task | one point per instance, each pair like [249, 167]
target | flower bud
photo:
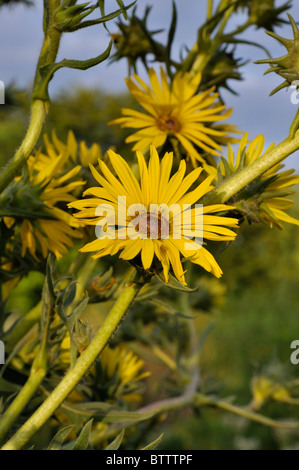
[263, 13]
[67, 19]
[286, 66]
[132, 41]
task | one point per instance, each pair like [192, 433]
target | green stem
[21, 400]
[38, 115]
[242, 178]
[84, 277]
[73, 377]
[210, 9]
[39, 107]
[203, 400]
[204, 57]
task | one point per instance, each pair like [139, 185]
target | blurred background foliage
[253, 309]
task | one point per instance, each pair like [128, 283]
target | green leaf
[104, 19]
[69, 294]
[115, 444]
[172, 29]
[48, 297]
[82, 441]
[173, 283]
[124, 416]
[229, 40]
[6, 386]
[47, 71]
[76, 313]
[86, 64]
[154, 444]
[121, 4]
[59, 438]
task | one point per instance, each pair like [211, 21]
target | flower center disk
[153, 226]
[168, 123]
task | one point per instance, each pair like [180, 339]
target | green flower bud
[263, 13]
[68, 18]
[222, 67]
[286, 66]
[134, 41]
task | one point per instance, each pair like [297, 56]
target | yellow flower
[80, 154]
[157, 193]
[272, 202]
[177, 111]
[47, 227]
[124, 367]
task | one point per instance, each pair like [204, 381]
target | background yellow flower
[175, 110]
[276, 184]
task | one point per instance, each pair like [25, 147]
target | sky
[254, 111]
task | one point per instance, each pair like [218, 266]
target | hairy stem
[38, 115]
[40, 105]
[253, 171]
[21, 400]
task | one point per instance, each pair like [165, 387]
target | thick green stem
[38, 115]
[73, 377]
[39, 107]
[253, 171]
[21, 400]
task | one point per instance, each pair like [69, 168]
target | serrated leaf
[115, 444]
[83, 439]
[59, 438]
[154, 444]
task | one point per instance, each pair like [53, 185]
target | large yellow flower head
[44, 226]
[175, 110]
[166, 220]
[275, 184]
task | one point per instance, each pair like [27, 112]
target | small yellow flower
[157, 187]
[80, 154]
[272, 202]
[124, 367]
[47, 227]
[175, 110]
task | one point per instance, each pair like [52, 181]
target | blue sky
[255, 112]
